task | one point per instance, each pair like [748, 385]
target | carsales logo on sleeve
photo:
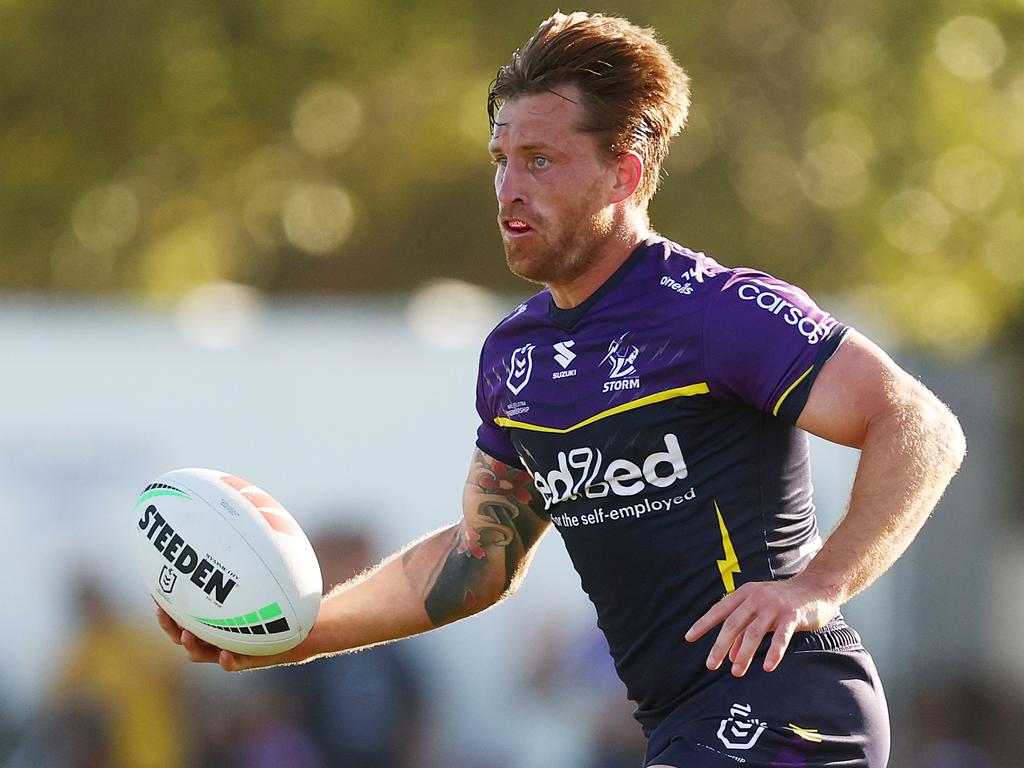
[768, 298]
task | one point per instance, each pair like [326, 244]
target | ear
[629, 171]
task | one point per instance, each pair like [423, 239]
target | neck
[614, 251]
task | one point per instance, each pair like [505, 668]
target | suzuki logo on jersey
[767, 298]
[581, 471]
[519, 369]
[565, 356]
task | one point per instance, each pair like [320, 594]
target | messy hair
[635, 96]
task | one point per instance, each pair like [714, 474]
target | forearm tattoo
[470, 566]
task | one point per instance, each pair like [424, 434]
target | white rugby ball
[226, 561]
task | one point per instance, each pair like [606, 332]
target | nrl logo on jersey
[622, 358]
[520, 368]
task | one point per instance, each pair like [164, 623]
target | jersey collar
[568, 318]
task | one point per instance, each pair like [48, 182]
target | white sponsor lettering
[516, 408]
[684, 288]
[770, 301]
[617, 384]
[581, 472]
[631, 511]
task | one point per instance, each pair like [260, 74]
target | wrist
[319, 641]
[824, 584]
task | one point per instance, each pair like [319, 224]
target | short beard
[571, 256]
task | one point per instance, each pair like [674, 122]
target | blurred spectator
[616, 739]
[118, 702]
[970, 722]
[6, 731]
[69, 734]
[273, 736]
[364, 709]
[573, 678]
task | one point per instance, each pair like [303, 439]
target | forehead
[549, 118]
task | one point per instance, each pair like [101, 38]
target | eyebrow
[533, 147]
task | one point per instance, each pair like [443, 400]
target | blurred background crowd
[260, 236]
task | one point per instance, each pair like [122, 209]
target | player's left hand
[203, 652]
[754, 610]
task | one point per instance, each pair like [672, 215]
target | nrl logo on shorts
[519, 369]
[740, 730]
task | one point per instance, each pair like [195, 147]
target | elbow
[956, 441]
[946, 435]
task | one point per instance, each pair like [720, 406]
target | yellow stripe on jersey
[775, 410]
[657, 397]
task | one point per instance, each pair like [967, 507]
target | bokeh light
[318, 218]
[915, 221]
[970, 47]
[452, 314]
[969, 178]
[105, 218]
[218, 315]
[833, 176]
[844, 128]
[326, 119]
[194, 250]
[145, 153]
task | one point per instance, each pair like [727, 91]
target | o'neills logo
[582, 471]
[201, 572]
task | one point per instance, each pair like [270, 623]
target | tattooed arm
[445, 576]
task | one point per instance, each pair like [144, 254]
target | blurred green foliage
[870, 149]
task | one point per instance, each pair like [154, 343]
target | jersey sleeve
[764, 343]
[490, 438]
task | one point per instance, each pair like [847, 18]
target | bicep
[858, 385]
[501, 507]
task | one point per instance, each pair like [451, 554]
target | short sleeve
[765, 341]
[490, 438]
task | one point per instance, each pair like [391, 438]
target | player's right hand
[203, 652]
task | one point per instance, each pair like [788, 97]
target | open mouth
[516, 226]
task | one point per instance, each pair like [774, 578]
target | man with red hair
[652, 405]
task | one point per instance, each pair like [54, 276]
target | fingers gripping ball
[226, 561]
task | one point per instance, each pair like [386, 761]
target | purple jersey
[656, 420]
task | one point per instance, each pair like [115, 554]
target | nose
[508, 184]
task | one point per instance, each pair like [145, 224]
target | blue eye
[541, 162]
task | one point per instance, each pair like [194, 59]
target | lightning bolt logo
[729, 566]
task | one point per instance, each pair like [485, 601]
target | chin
[541, 261]
[527, 268]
